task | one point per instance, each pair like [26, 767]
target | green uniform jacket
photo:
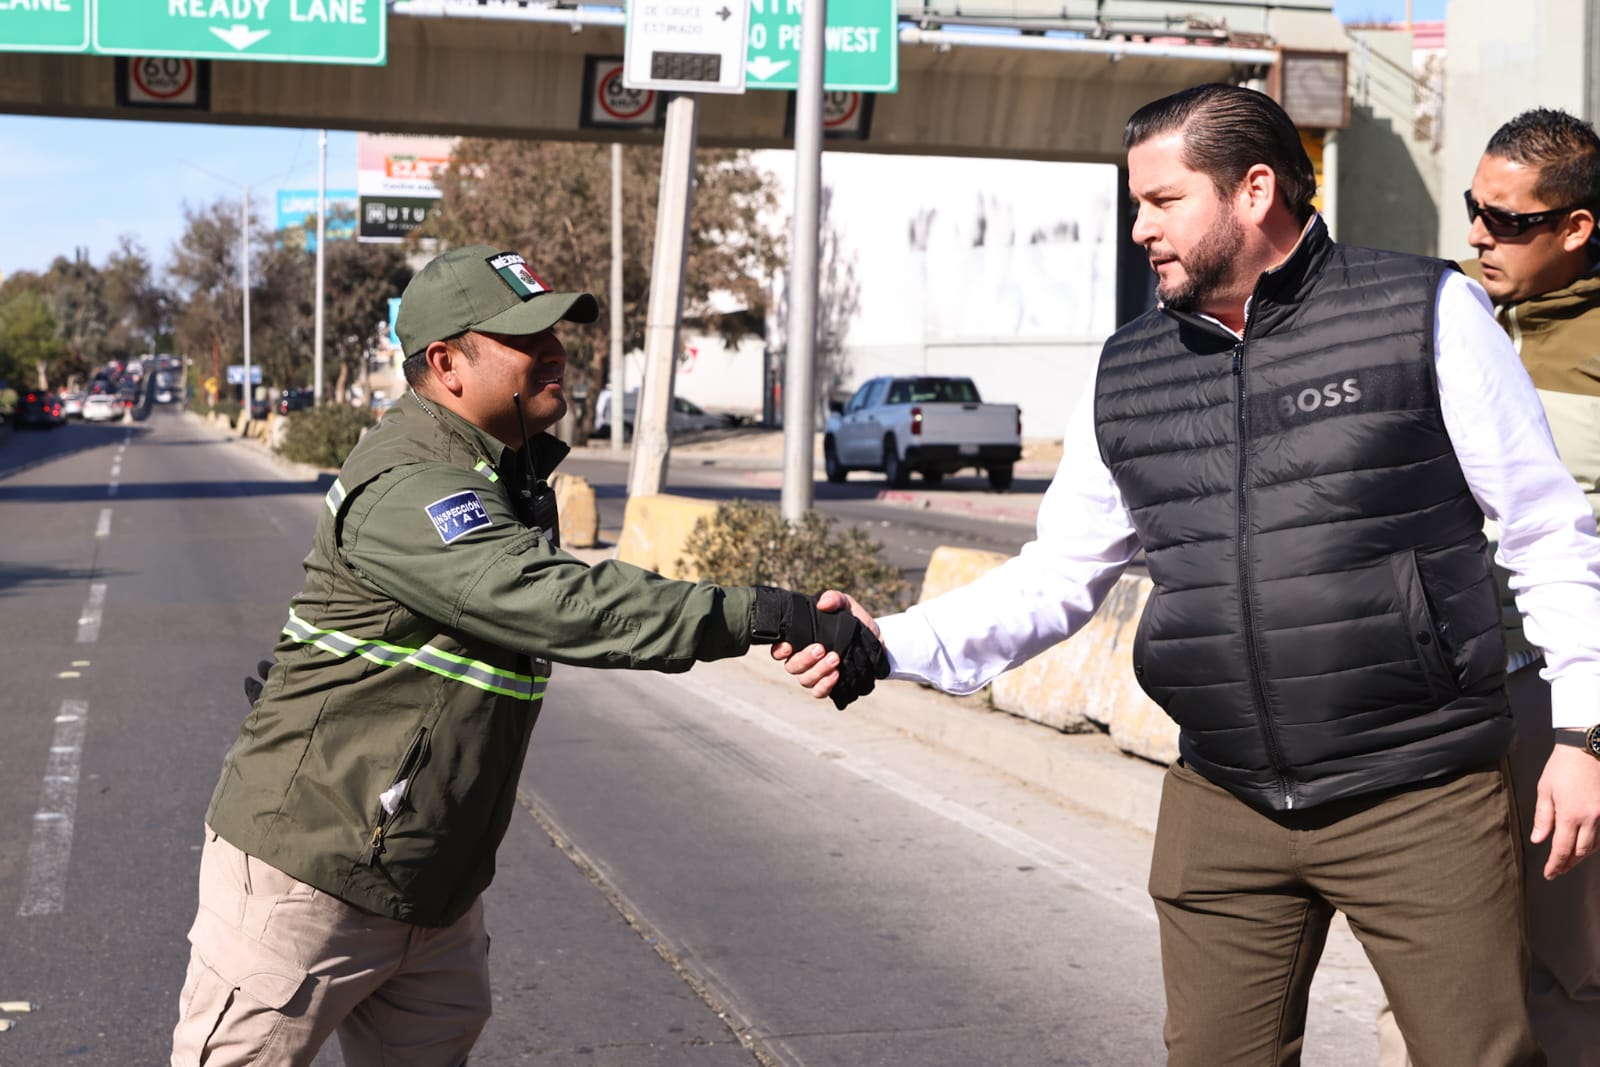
[1557, 334]
[380, 762]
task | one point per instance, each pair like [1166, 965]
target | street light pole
[800, 375]
[618, 396]
[322, 244]
[244, 272]
[244, 266]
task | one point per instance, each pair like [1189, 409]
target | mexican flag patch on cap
[513, 270]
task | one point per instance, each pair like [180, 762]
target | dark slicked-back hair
[1564, 149]
[1227, 130]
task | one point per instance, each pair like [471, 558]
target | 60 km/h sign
[862, 46]
[303, 31]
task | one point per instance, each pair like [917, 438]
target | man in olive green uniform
[358, 813]
[1531, 210]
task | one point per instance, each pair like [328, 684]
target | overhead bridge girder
[504, 78]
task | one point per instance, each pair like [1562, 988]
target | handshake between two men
[828, 642]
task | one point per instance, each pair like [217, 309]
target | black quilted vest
[1324, 622]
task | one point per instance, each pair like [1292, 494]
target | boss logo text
[1314, 398]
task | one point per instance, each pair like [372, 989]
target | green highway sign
[862, 46]
[294, 31]
[44, 25]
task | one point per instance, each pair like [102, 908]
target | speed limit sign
[163, 81]
[610, 104]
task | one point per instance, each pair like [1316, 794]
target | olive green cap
[478, 287]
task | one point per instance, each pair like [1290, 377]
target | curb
[1022, 509]
[304, 470]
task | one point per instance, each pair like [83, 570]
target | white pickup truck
[934, 426]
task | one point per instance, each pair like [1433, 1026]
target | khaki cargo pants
[1563, 915]
[1428, 877]
[276, 967]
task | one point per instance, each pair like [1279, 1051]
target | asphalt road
[705, 869]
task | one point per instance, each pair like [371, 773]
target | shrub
[324, 436]
[747, 544]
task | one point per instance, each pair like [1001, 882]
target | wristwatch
[1578, 737]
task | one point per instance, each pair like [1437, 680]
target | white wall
[1000, 270]
[1500, 60]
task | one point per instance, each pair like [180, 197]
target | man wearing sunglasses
[1531, 215]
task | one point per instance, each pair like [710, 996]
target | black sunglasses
[1501, 223]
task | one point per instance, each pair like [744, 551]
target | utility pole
[800, 378]
[618, 377]
[244, 271]
[651, 443]
[322, 244]
[244, 275]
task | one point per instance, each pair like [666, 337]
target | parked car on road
[295, 400]
[934, 426]
[687, 416]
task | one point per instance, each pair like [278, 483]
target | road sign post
[861, 38]
[687, 46]
[303, 31]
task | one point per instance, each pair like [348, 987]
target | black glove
[252, 686]
[793, 617]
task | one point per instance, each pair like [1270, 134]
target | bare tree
[552, 202]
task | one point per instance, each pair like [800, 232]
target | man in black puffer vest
[1304, 439]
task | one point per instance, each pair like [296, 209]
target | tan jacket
[1557, 334]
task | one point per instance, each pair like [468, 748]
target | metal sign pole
[244, 274]
[800, 379]
[618, 393]
[651, 442]
[322, 251]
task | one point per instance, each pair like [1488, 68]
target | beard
[1207, 267]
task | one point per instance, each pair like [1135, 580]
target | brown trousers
[1429, 879]
[276, 967]
[1563, 915]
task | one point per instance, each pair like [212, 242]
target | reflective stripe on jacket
[380, 763]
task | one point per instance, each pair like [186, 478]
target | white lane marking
[116, 470]
[44, 889]
[111, 490]
[89, 617]
[104, 529]
[1124, 895]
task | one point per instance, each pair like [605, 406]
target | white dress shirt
[960, 641]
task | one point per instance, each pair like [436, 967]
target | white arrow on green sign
[862, 46]
[296, 31]
[44, 26]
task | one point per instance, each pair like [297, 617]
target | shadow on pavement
[13, 576]
[62, 494]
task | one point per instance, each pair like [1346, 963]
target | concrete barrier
[1081, 685]
[654, 529]
[580, 519]
[1085, 683]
